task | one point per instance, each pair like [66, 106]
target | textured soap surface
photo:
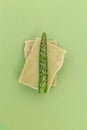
[28, 46]
[30, 73]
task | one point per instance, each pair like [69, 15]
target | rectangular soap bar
[28, 46]
[30, 72]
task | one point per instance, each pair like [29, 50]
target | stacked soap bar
[30, 73]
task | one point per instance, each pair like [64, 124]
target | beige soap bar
[28, 46]
[30, 72]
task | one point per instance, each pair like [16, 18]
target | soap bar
[30, 72]
[28, 46]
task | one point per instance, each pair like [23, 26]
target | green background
[64, 107]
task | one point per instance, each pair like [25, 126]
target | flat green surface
[65, 107]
